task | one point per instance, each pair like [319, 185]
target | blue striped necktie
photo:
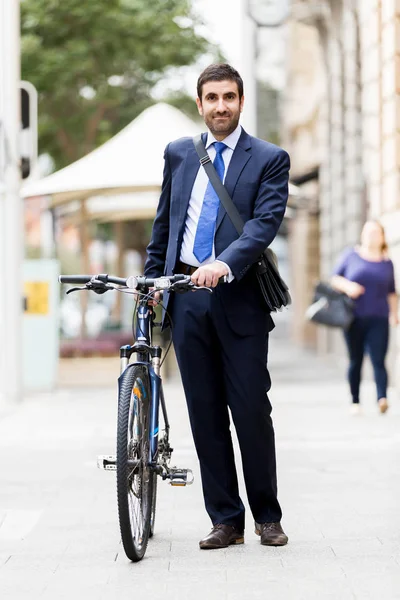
[204, 239]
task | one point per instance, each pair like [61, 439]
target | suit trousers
[221, 369]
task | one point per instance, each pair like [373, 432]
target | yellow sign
[36, 297]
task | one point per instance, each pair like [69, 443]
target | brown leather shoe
[222, 536]
[271, 534]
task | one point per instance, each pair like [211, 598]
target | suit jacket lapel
[239, 159]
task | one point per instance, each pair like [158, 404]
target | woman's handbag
[330, 307]
[274, 290]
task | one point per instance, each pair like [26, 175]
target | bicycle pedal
[106, 462]
[180, 477]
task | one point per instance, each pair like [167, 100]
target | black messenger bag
[274, 290]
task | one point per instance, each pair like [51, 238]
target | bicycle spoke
[137, 523]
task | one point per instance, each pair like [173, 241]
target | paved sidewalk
[339, 487]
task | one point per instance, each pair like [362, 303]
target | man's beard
[224, 127]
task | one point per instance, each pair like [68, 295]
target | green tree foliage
[94, 63]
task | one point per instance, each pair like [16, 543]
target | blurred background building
[341, 125]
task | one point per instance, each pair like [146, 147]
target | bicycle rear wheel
[134, 476]
[153, 505]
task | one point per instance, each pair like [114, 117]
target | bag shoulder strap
[217, 184]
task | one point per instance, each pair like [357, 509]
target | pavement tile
[372, 566]
[4, 557]
[258, 557]
[372, 587]
[73, 575]
[391, 545]
[38, 561]
[183, 549]
[123, 567]
[23, 581]
[311, 569]
[125, 575]
[155, 590]
[76, 590]
[321, 551]
[357, 547]
[88, 559]
[17, 594]
[213, 591]
[256, 591]
[316, 589]
[267, 573]
[189, 577]
[210, 562]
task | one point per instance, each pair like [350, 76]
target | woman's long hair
[384, 247]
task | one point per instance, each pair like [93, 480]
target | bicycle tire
[153, 505]
[134, 484]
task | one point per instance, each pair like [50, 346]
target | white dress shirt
[197, 197]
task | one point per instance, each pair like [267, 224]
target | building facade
[342, 128]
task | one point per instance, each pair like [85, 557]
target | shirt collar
[231, 140]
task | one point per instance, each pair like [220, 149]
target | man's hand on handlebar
[209, 275]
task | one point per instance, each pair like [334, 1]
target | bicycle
[141, 454]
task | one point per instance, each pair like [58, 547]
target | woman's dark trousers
[368, 335]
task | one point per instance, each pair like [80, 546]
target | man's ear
[241, 103]
[199, 106]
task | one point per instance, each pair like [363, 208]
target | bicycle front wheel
[134, 476]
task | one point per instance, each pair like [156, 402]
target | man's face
[220, 107]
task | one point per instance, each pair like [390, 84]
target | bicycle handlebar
[158, 283]
[82, 279]
[134, 283]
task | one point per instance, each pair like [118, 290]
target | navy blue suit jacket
[257, 181]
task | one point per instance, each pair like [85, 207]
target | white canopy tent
[129, 163]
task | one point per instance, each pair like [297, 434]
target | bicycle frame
[149, 356]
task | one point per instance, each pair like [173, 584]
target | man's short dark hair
[219, 72]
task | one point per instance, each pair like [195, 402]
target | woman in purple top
[366, 274]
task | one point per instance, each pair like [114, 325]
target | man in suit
[221, 339]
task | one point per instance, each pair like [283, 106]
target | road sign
[36, 295]
[29, 129]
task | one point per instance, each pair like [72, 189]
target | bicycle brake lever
[202, 287]
[76, 289]
[96, 286]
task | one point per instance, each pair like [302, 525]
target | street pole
[258, 14]
[248, 72]
[11, 214]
